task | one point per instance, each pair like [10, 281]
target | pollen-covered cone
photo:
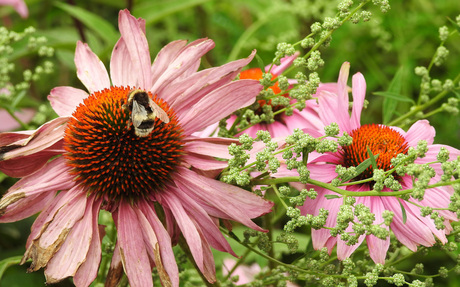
[91, 158]
[387, 141]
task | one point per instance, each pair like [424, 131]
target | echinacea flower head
[408, 225]
[18, 5]
[126, 146]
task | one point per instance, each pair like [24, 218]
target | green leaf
[5, 263]
[361, 168]
[372, 158]
[260, 63]
[93, 21]
[393, 96]
[154, 11]
[403, 210]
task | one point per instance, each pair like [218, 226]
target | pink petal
[285, 63]
[378, 248]
[223, 200]
[74, 251]
[115, 273]
[30, 194]
[166, 56]
[187, 91]
[420, 130]
[209, 148]
[277, 129]
[187, 226]
[18, 5]
[208, 228]
[411, 233]
[343, 118]
[88, 270]
[132, 248]
[164, 241]
[121, 66]
[9, 123]
[307, 118]
[218, 104]
[186, 59]
[65, 100]
[152, 247]
[61, 218]
[44, 137]
[359, 93]
[137, 48]
[90, 70]
[22, 166]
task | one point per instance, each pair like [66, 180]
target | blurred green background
[406, 36]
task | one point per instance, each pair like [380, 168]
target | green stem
[340, 191]
[426, 105]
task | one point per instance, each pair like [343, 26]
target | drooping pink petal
[88, 270]
[223, 200]
[115, 273]
[137, 48]
[377, 247]
[164, 241]
[219, 104]
[25, 165]
[412, 232]
[65, 100]
[341, 108]
[90, 70]
[359, 93]
[208, 228]
[152, 246]
[187, 226]
[132, 248]
[62, 216]
[31, 194]
[420, 130]
[74, 251]
[45, 136]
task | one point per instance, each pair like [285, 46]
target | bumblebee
[144, 111]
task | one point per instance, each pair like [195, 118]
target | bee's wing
[138, 114]
[158, 112]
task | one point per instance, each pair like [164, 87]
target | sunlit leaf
[5, 263]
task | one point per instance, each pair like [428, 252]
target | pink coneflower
[283, 125]
[126, 147]
[387, 142]
[18, 5]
